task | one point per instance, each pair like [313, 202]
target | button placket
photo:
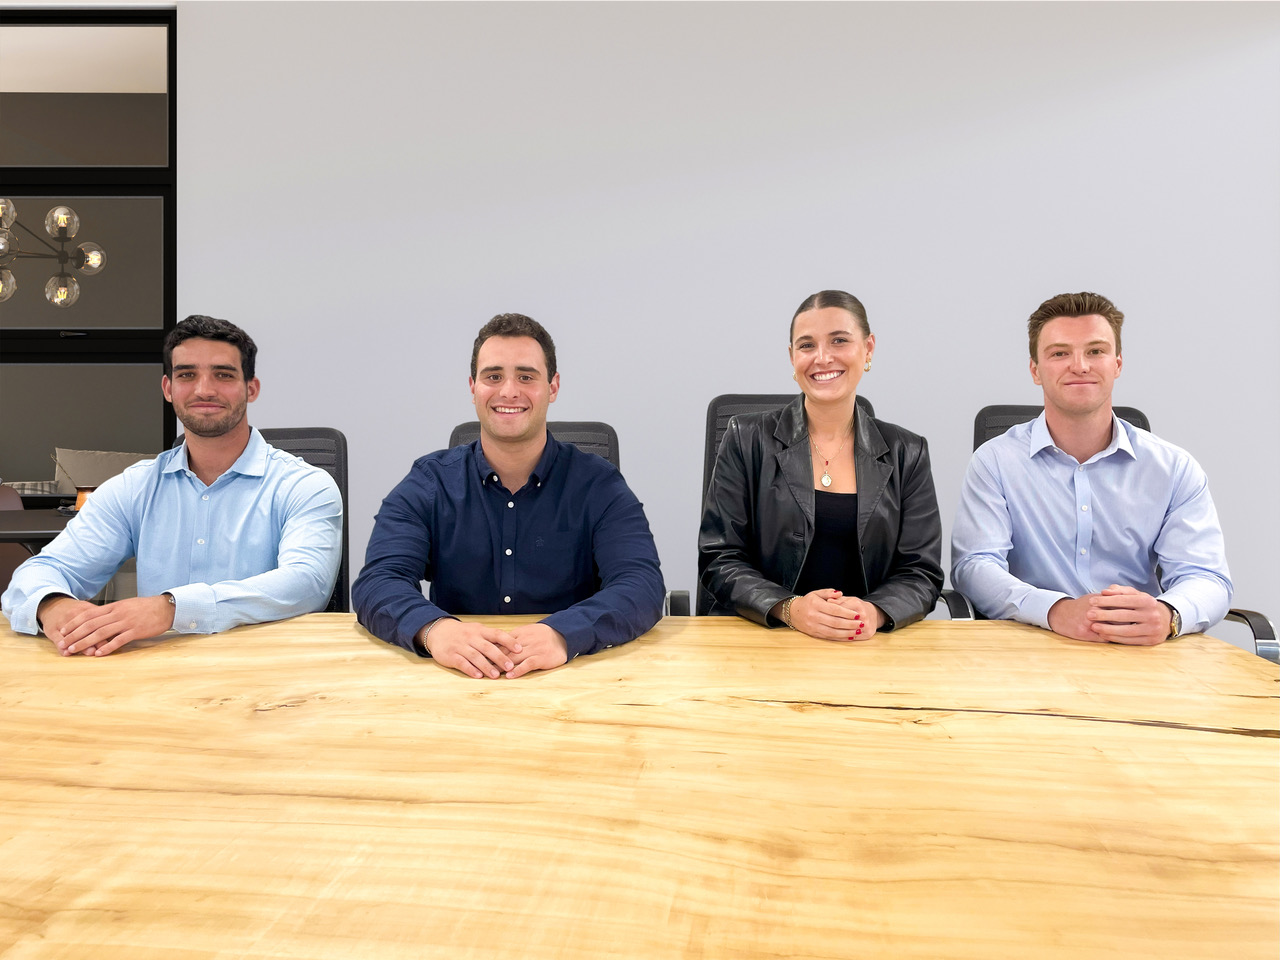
[1084, 526]
[506, 562]
[201, 536]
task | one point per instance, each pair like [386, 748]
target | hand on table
[829, 615]
[1116, 615]
[77, 626]
[475, 649]
[541, 649]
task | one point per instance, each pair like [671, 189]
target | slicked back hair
[516, 325]
[211, 328]
[1072, 305]
[832, 298]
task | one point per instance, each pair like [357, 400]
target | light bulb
[62, 223]
[62, 290]
[90, 258]
[8, 212]
[7, 285]
[8, 246]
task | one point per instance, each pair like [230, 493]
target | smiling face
[1077, 365]
[511, 390]
[207, 389]
[828, 352]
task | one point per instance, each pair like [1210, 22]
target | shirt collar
[1041, 439]
[540, 472]
[252, 462]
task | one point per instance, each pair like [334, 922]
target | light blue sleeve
[1192, 555]
[307, 561]
[981, 539]
[82, 558]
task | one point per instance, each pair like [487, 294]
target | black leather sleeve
[728, 553]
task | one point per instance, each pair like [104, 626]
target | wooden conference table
[714, 789]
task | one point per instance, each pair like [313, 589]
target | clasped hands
[1116, 615]
[481, 651]
[829, 615]
[78, 626]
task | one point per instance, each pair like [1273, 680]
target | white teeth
[830, 375]
[507, 409]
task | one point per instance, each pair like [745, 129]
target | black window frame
[69, 344]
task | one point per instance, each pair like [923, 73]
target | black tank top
[834, 560]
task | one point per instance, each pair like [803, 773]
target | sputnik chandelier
[61, 224]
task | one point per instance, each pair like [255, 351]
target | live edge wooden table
[714, 789]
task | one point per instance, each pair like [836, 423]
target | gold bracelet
[786, 612]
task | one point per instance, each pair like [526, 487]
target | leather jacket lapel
[873, 474]
[794, 462]
[793, 459]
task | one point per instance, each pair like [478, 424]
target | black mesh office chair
[994, 420]
[728, 405]
[589, 435]
[326, 448]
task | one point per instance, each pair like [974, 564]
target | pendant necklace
[825, 479]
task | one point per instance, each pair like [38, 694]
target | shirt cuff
[1034, 607]
[578, 639]
[26, 618]
[193, 608]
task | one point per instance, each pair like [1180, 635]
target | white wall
[363, 185]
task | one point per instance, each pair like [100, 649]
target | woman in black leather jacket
[818, 516]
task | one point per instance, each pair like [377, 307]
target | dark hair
[515, 325]
[832, 298]
[197, 327]
[1072, 305]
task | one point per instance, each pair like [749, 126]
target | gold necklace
[825, 479]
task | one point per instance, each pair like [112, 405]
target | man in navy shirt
[512, 523]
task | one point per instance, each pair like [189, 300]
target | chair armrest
[1264, 632]
[958, 605]
[676, 604]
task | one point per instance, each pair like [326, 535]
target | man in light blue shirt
[1079, 522]
[226, 528]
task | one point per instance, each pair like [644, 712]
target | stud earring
[795, 378]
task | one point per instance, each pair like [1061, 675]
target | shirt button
[511, 503]
[508, 551]
[199, 541]
[1084, 506]
[539, 483]
[506, 599]
[1083, 551]
[494, 478]
[193, 625]
[205, 497]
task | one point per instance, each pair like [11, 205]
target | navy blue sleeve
[388, 593]
[629, 600]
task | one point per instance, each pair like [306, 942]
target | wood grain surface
[713, 789]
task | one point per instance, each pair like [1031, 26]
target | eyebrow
[216, 366]
[496, 368]
[833, 333]
[1105, 343]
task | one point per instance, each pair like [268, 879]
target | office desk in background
[34, 529]
[714, 789]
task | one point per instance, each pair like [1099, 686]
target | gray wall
[362, 185]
